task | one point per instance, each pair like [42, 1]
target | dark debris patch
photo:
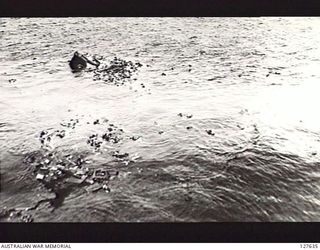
[96, 122]
[118, 155]
[118, 72]
[12, 80]
[122, 157]
[93, 141]
[240, 127]
[71, 123]
[60, 133]
[135, 138]
[185, 115]
[45, 136]
[210, 132]
[62, 173]
[113, 134]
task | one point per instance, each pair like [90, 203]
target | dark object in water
[77, 62]
[210, 132]
[134, 138]
[185, 115]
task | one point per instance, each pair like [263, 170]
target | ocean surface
[220, 123]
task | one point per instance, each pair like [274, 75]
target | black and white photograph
[160, 119]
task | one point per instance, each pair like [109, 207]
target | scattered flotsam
[60, 173]
[210, 132]
[185, 115]
[117, 72]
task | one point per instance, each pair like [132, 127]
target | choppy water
[254, 82]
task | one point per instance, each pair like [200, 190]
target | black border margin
[159, 8]
[160, 232]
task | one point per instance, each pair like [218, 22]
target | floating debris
[239, 126]
[185, 115]
[210, 132]
[134, 138]
[61, 173]
[106, 188]
[93, 141]
[78, 62]
[117, 72]
[118, 155]
[56, 171]
[60, 133]
[100, 175]
[16, 215]
[12, 80]
[40, 176]
[111, 137]
[71, 124]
